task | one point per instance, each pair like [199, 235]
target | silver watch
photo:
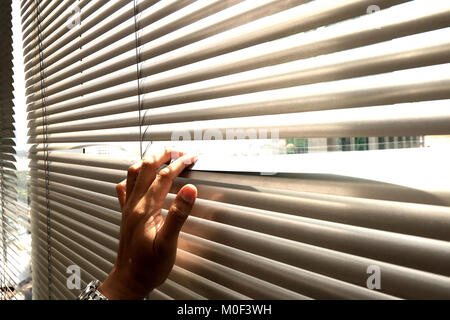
[91, 292]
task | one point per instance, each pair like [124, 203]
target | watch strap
[91, 292]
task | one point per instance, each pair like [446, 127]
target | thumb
[178, 213]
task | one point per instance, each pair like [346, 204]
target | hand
[148, 242]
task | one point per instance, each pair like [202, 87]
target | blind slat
[385, 215]
[40, 15]
[92, 27]
[408, 119]
[297, 19]
[30, 35]
[178, 19]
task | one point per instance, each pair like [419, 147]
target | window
[15, 280]
[280, 83]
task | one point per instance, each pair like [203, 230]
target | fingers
[133, 172]
[178, 213]
[121, 192]
[147, 173]
[162, 183]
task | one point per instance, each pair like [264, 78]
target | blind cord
[46, 155]
[138, 75]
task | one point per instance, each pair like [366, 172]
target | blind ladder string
[46, 152]
[138, 74]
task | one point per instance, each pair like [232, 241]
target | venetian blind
[134, 72]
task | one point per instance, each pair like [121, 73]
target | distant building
[312, 145]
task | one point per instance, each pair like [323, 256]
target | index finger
[163, 181]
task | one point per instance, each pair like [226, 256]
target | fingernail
[175, 155]
[188, 193]
[190, 159]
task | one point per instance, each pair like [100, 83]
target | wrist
[117, 286]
